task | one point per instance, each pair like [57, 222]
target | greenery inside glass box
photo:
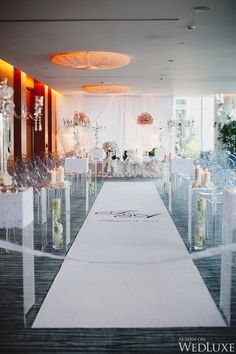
[227, 135]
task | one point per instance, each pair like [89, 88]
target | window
[201, 136]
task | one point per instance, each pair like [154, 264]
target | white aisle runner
[120, 281]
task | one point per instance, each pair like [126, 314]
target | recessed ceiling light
[201, 9]
[191, 27]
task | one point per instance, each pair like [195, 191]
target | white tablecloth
[16, 209]
[73, 165]
[133, 169]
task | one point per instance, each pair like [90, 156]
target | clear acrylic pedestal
[199, 220]
[228, 238]
[59, 211]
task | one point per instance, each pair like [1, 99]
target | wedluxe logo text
[201, 345]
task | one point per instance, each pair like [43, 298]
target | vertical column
[208, 118]
[218, 119]
[51, 120]
[29, 93]
[17, 121]
[46, 117]
[50, 135]
[23, 121]
[54, 121]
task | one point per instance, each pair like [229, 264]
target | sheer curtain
[117, 114]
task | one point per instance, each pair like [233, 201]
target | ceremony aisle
[127, 268]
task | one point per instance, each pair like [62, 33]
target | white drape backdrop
[118, 115]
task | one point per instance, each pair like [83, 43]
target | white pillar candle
[197, 168]
[53, 176]
[60, 175]
[199, 176]
[203, 178]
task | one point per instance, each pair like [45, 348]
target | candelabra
[220, 105]
[96, 129]
[159, 129]
[37, 116]
[6, 113]
[224, 109]
[78, 120]
[180, 124]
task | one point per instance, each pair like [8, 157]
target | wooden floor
[16, 336]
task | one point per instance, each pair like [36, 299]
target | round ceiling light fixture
[104, 89]
[90, 60]
[201, 9]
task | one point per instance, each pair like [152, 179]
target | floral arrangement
[81, 119]
[109, 146]
[145, 119]
[57, 226]
[131, 154]
[111, 149]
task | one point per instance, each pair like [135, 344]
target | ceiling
[167, 57]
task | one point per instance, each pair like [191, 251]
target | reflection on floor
[17, 336]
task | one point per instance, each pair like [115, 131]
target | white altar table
[77, 166]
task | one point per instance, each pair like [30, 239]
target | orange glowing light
[93, 60]
[104, 89]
